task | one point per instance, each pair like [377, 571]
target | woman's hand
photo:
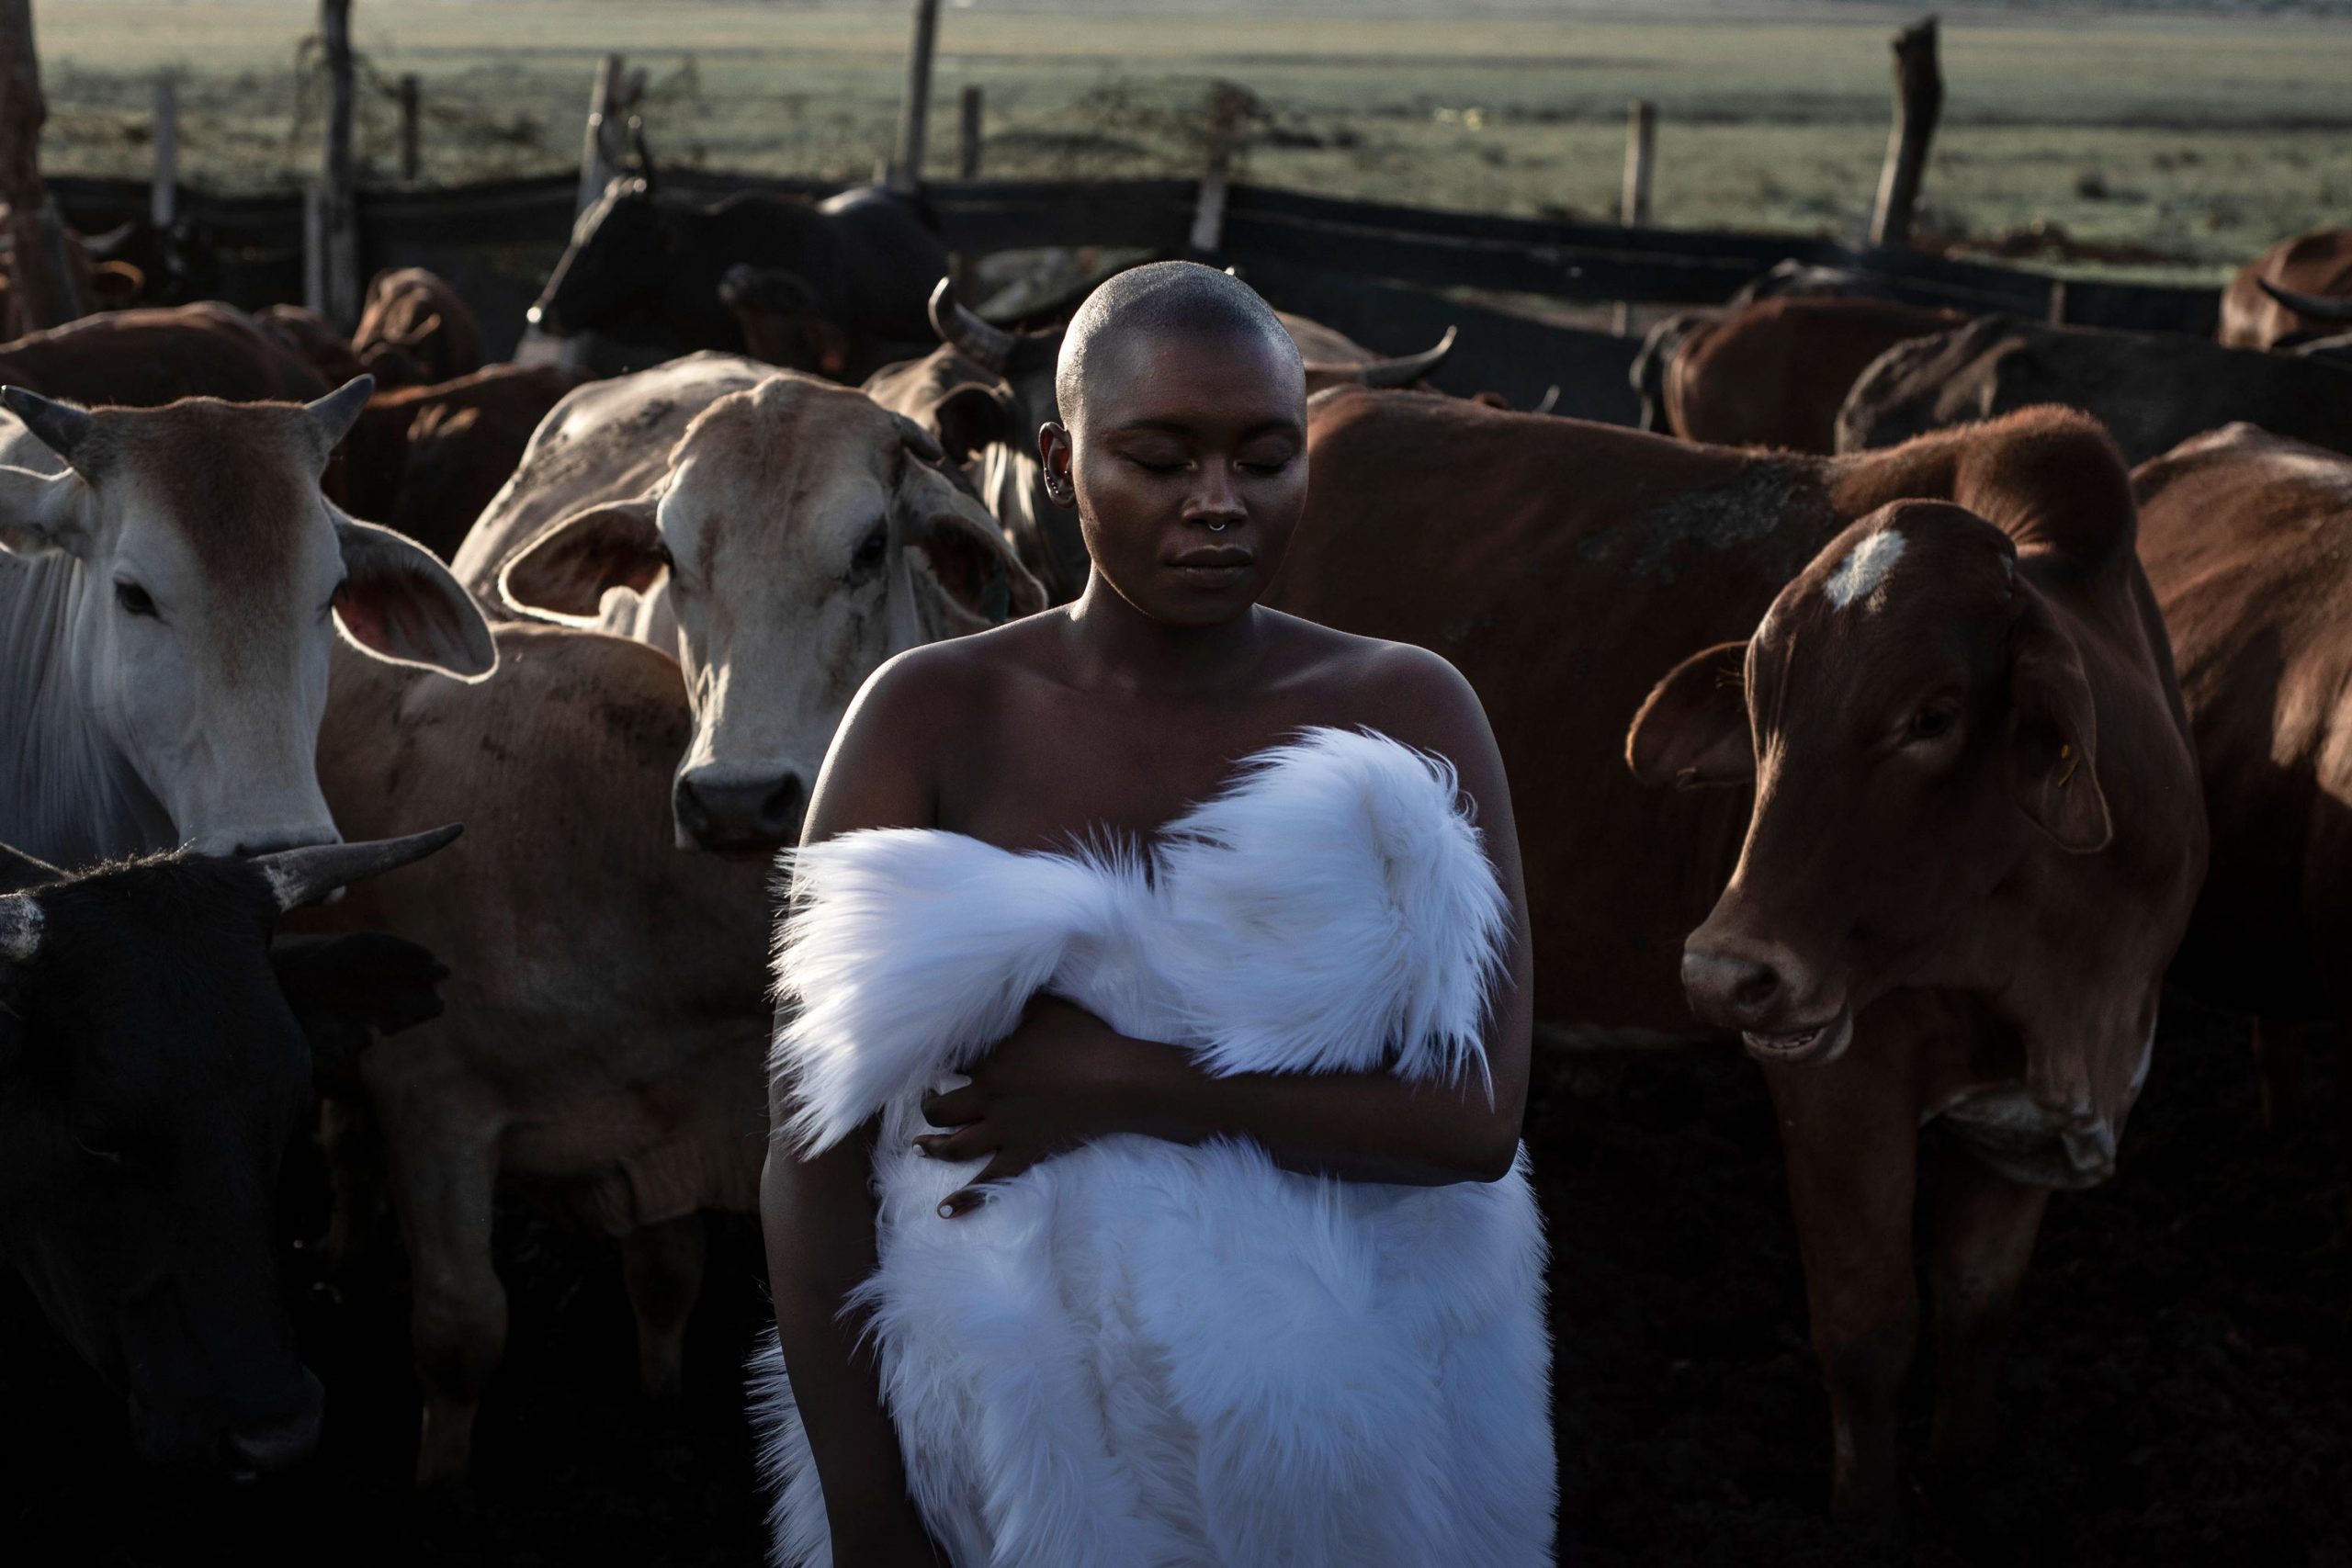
[1061, 1079]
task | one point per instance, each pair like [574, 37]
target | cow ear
[1693, 728]
[567, 568]
[40, 514]
[975, 416]
[2053, 736]
[344, 990]
[400, 603]
[969, 576]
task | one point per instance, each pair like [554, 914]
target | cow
[647, 270]
[101, 284]
[144, 357]
[414, 330]
[780, 534]
[310, 336]
[1564, 567]
[2243, 534]
[2151, 390]
[607, 1019]
[156, 1057]
[425, 460]
[171, 580]
[1770, 374]
[2298, 290]
[985, 392]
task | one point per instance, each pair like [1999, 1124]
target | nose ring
[1216, 527]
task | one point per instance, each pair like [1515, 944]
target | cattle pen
[2179, 1382]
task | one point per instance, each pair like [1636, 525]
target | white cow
[167, 581]
[781, 534]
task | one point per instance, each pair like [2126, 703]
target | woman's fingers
[955, 1108]
[965, 1143]
[1003, 1168]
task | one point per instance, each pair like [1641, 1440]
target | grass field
[2191, 139]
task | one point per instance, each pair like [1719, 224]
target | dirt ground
[2181, 1391]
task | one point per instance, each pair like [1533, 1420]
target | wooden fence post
[1208, 208]
[1641, 147]
[1918, 99]
[332, 278]
[1633, 201]
[914, 114]
[412, 157]
[967, 136]
[597, 168]
[164, 194]
[46, 295]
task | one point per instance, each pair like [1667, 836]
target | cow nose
[264, 1447]
[739, 812]
[1744, 990]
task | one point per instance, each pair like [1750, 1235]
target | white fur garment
[1145, 1355]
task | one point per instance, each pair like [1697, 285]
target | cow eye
[1933, 722]
[134, 599]
[871, 548]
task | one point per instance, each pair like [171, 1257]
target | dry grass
[2197, 140]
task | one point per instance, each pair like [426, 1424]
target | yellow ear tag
[2066, 751]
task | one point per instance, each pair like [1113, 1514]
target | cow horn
[1403, 372]
[1550, 401]
[306, 875]
[335, 413]
[644, 154]
[61, 427]
[920, 442]
[20, 923]
[2318, 306]
[984, 343]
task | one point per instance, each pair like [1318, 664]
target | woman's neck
[1116, 646]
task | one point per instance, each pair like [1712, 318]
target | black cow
[2153, 390]
[644, 270]
[156, 1056]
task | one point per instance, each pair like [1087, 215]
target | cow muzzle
[1785, 1011]
[738, 811]
[240, 1452]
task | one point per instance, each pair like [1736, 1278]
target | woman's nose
[1217, 502]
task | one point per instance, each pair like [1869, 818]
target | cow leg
[355, 1151]
[2278, 1059]
[444, 1173]
[1851, 1140]
[663, 1266]
[1984, 1226]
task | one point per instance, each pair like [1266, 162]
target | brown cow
[147, 357]
[309, 335]
[1562, 566]
[415, 330]
[2245, 537]
[2317, 266]
[607, 1014]
[1770, 374]
[426, 460]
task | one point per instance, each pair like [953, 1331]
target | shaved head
[1164, 299]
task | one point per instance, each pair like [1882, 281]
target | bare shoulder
[1405, 691]
[919, 709]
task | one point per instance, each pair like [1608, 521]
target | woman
[1184, 451]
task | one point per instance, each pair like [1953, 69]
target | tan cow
[782, 535]
[2299, 288]
[1564, 567]
[606, 1005]
[171, 581]
[2248, 540]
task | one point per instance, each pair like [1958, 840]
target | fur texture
[1142, 1353]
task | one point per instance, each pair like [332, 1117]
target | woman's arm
[1064, 1077]
[817, 1215]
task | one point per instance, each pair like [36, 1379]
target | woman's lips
[1213, 566]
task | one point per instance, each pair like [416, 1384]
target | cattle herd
[1924, 695]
